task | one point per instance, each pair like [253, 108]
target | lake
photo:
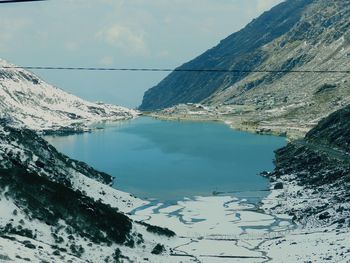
[169, 160]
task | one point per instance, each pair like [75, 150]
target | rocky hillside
[295, 35]
[241, 50]
[333, 131]
[54, 209]
[314, 174]
[30, 102]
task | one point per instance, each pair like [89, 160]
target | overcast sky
[117, 33]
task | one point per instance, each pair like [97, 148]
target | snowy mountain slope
[54, 209]
[26, 99]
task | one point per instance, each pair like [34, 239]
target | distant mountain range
[30, 102]
[294, 35]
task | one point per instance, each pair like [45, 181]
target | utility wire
[177, 70]
[18, 1]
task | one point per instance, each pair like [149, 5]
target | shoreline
[236, 124]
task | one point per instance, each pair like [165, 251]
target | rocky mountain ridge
[240, 51]
[315, 36]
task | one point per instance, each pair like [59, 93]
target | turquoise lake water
[170, 160]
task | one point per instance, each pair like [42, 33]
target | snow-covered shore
[228, 229]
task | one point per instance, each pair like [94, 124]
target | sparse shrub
[158, 249]
[130, 242]
[158, 230]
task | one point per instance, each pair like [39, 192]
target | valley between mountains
[57, 209]
[49, 203]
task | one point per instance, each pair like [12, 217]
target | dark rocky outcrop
[320, 165]
[333, 131]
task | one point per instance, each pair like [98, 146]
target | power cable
[177, 70]
[18, 1]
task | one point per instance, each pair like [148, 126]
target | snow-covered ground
[227, 229]
[50, 244]
[210, 229]
[217, 216]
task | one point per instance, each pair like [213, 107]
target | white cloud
[163, 54]
[9, 30]
[124, 38]
[106, 61]
[71, 46]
